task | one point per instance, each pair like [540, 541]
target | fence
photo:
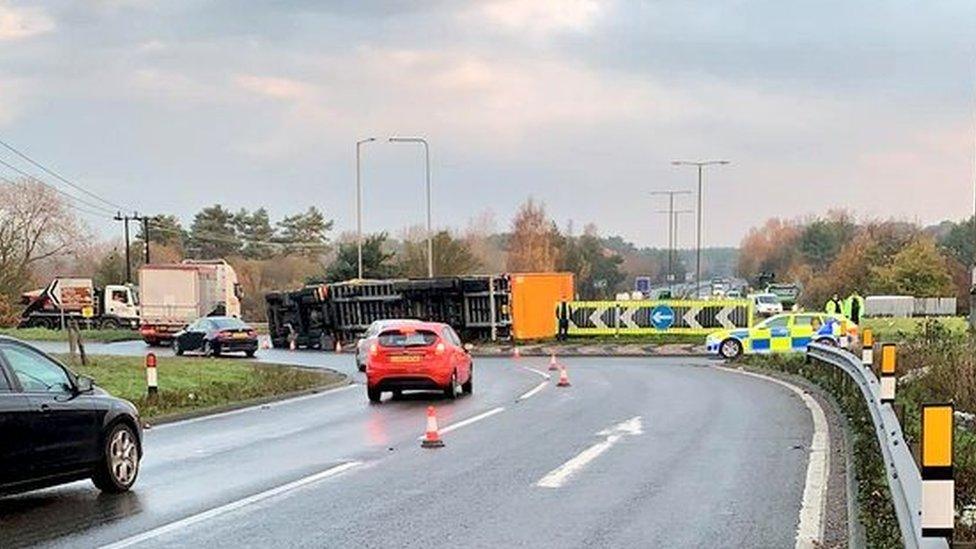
[904, 479]
[695, 317]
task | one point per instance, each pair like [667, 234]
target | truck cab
[120, 302]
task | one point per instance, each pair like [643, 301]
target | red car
[423, 356]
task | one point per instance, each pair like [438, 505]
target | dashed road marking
[544, 375]
[469, 421]
[560, 475]
[232, 506]
[534, 390]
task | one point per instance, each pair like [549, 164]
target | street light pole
[700, 164]
[671, 233]
[359, 208]
[430, 241]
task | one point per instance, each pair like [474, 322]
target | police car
[785, 333]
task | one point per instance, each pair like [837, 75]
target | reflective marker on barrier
[938, 486]
[888, 381]
[867, 348]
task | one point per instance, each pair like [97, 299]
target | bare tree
[35, 224]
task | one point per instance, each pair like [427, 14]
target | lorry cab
[121, 301]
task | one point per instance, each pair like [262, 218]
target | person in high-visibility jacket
[833, 305]
[853, 307]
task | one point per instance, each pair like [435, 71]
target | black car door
[15, 447]
[63, 425]
[195, 334]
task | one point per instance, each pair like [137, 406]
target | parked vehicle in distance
[114, 306]
[784, 333]
[174, 295]
[426, 356]
[59, 427]
[766, 304]
[362, 346]
[215, 336]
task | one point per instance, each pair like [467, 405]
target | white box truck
[174, 295]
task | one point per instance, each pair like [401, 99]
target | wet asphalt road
[687, 455]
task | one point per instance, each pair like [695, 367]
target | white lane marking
[810, 530]
[534, 390]
[251, 408]
[539, 372]
[560, 475]
[232, 506]
[469, 421]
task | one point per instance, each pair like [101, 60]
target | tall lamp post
[430, 242]
[359, 207]
[671, 232]
[700, 164]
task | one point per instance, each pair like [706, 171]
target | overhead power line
[59, 177]
[106, 212]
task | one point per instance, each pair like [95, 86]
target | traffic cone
[563, 378]
[552, 362]
[338, 348]
[266, 343]
[291, 344]
[515, 352]
[433, 436]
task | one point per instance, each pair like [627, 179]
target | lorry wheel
[110, 324]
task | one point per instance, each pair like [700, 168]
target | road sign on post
[662, 317]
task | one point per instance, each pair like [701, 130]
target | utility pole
[430, 233]
[700, 164]
[359, 208]
[671, 232]
[128, 263]
[144, 219]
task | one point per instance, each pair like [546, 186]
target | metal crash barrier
[658, 317]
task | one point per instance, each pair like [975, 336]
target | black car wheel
[177, 349]
[207, 349]
[250, 353]
[730, 349]
[374, 394]
[452, 390]
[119, 466]
[468, 387]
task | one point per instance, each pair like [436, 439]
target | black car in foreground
[57, 427]
[216, 335]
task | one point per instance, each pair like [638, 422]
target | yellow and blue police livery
[785, 333]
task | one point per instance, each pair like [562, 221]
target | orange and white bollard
[433, 437]
[563, 378]
[152, 380]
[552, 363]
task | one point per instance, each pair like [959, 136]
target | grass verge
[98, 336]
[875, 510]
[897, 329]
[191, 384]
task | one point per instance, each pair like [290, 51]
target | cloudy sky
[165, 106]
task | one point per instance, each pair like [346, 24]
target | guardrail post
[867, 348]
[938, 486]
[888, 379]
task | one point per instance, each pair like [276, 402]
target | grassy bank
[188, 384]
[895, 329]
[43, 334]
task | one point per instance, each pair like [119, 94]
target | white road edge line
[469, 421]
[232, 506]
[810, 530]
[251, 408]
[539, 372]
[534, 390]
[560, 475]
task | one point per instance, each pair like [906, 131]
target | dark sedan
[57, 427]
[216, 335]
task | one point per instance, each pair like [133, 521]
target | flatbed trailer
[317, 316]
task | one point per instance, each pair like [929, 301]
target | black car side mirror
[84, 384]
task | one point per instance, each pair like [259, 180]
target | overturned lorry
[317, 316]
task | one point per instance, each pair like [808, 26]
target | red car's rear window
[398, 338]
